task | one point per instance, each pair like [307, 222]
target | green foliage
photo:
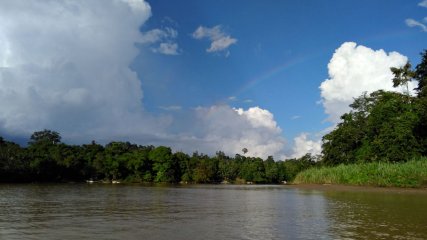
[165, 165]
[389, 132]
[138, 164]
[402, 76]
[45, 137]
[409, 174]
[13, 165]
[206, 170]
[421, 75]
[381, 127]
[271, 171]
[252, 170]
[46, 159]
[294, 166]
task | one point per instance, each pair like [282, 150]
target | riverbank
[357, 188]
[411, 174]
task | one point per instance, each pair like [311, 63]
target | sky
[206, 76]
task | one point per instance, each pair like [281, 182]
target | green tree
[45, 137]
[186, 166]
[421, 75]
[117, 155]
[252, 170]
[380, 127]
[340, 145]
[44, 153]
[227, 168]
[13, 164]
[164, 165]
[402, 76]
[206, 170]
[390, 129]
[293, 166]
[90, 152]
[139, 164]
[271, 170]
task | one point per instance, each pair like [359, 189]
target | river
[103, 211]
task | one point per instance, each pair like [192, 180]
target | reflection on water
[80, 211]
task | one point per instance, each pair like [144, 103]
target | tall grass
[408, 174]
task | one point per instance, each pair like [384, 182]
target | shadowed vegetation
[47, 159]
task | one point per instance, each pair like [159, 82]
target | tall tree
[45, 136]
[164, 165]
[421, 75]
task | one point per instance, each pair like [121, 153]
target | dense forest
[47, 159]
[381, 127]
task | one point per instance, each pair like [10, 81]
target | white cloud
[303, 145]
[167, 49]
[221, 44]
[162, 40]
[413, 23]
[220, 41]
[153, 36]
[423, 3]
[231, 130]
[254, 129]
[353, 70]
[65, 67]
[138, 6]
[171, 108]
[259, 117]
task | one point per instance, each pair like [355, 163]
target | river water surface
[102, 211]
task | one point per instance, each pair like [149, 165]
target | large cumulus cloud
[65, 65]
[353, 70]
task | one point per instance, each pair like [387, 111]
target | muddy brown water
[103, 211]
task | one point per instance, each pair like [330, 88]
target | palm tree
[402, 76]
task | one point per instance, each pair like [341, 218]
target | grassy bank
[409, 174]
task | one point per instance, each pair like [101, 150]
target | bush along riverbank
[406, 174]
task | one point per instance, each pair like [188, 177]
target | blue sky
[281, 55]
[150, 69]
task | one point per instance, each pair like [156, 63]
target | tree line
[47, 159]
[383, 126]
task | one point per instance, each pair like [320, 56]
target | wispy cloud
[162, 40]
[413, 23]
[248, 101]
[167, 49]
[295, 117]
[232, 98]
[423, 3]
[171, 108]
[220, 41]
